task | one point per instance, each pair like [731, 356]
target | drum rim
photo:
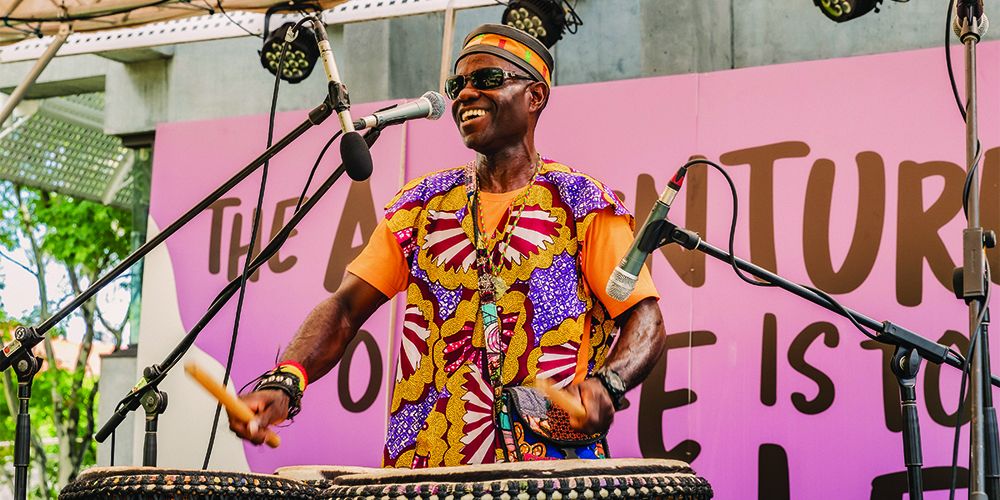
[544, 469]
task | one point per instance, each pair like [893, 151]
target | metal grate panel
[65, 157]
[217, 26]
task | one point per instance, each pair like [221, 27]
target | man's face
[490, 120]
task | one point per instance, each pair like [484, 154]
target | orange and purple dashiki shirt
[556, 324]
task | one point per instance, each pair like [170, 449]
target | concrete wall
[400, 57]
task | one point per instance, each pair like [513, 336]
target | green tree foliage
[86, 239]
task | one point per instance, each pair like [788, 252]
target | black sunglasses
[481, 79]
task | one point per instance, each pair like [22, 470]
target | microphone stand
[970, 24]
[154, 374]
[18, 352]
[911, 347]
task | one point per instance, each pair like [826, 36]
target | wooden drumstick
[562, 399]
[234, 405]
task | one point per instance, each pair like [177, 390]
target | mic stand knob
[155, 403]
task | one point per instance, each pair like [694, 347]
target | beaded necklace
[485, 242]
[491, 286]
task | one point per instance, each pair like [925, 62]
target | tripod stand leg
[26, 367]
[905, 365]
[989, 417]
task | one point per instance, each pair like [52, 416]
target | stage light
[300, 54]
[845, 10]
[545, 20]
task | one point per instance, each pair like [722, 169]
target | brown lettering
[359, 213]
[917, 237]
[689, 266]
[989, 207]
[761, 161]
[215, 233]
[868, 225]
[275, 263]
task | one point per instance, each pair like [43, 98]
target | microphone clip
[663, 232]
[337, 97]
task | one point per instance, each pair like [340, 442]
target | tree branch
[18, 263]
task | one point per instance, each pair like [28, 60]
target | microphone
[970, 19]
[353, 148]
[430, 106]
[623, 278]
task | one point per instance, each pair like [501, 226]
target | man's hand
[597, 402]
[269, 407]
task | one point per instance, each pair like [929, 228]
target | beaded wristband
[284, 381]
[295, 369]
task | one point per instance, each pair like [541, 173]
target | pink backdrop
[770, 394]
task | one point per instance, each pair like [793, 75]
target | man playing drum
[504, 264]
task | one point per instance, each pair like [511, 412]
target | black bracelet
[284, 382]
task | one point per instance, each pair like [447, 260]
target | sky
[20, 294]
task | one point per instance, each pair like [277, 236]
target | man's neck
[506, 171]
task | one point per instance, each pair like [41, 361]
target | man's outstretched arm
[317, 346]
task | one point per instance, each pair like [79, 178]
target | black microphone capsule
[356, 156]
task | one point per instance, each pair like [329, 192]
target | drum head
[321, 476]
[152, 482]
[551, 479]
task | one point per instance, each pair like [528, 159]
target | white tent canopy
[30, 18]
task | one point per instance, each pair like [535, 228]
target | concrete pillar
[118, 374]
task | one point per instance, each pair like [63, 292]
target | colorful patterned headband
[513, 45]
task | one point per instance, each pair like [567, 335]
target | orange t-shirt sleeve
[607, 239]
[381, 263]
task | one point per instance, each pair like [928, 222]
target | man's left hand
[597, 402]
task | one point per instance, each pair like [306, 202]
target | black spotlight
[300, 54]
[545, 20]
[845, 10]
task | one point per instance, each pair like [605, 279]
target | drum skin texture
[542, 480]
[128, 483]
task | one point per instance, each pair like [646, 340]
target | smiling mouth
[472, 114]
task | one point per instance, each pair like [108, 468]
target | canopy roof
[27, 18]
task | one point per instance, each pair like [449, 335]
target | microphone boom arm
[888, 332]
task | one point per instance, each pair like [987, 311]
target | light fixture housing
[545, 20]
[845, 10]
[301, 53]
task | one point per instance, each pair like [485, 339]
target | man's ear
[538, 93]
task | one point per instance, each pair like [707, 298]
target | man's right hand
[269, 407]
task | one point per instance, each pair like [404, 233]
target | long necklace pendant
[499, 286]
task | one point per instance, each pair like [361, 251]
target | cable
[222, 10]
[312, 172]
[250, 249]
[947, 57]
[732, 226]
[732, 257]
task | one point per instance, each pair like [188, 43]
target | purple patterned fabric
[553, 296]
[584, 195]
[430, 186]
[406, 422]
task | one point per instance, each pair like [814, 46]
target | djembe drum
[134, 483]
[321, 477]
[542, 480]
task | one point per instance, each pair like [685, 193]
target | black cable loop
[250, 253]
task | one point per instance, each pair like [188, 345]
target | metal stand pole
[25, 368]
[18, 94]
[969, 26]
[905, 364]
[990, 419]
[155, 403]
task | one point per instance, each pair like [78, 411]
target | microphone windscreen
[621, 284]
[356, 156]
[437, 104]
